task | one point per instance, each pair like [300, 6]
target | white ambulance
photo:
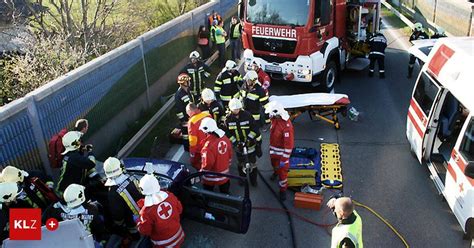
[440, 122]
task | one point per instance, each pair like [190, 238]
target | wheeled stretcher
[324, 106]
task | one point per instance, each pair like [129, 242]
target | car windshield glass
[278, 12]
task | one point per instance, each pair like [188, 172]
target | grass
[395, 21]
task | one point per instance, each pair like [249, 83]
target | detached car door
[229, 212]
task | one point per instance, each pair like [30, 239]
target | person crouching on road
[281, 144]
[244, 132]
[216, 156]
[181, 99]
[377, 44]
[348, 230]
[196, 136]
[160, 215]
[123, 195]
[210, 105]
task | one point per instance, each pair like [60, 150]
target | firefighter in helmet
[198, 71]
[210, 105]
[182, 97]
[418, 34]
[254, 98]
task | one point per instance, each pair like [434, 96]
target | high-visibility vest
[235, 31]
[220, 39]
[352, 231]
[213, 33]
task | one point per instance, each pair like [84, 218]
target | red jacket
[264, 79]
[216, 156]
[281, 139]
[161, 222]
[196, 138]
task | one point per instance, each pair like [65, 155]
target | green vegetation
[394, 21]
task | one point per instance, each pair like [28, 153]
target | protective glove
[258, 149]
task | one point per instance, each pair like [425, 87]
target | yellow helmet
[13, 174]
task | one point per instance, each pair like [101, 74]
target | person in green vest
[212, 34]
[220, 35]
[235, 41]
[348, 230]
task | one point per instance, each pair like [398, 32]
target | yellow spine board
[331, 173]
[300, 181]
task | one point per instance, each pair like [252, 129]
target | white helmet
[74, 195]
[209, 125]
[418, 26]
[194, 55]
[274, 108]
[8, 191]
[112, 169]
[440, 30]
[208, 95]
[13, 175]
[235, 104]
[71, 141]
[150, 187]
[251, 75]
[229, 65]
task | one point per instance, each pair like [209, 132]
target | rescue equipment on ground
[323, 106]
[305, 167]
[331, 176]
[305, 200]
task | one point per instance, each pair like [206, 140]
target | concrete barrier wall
[111, 91]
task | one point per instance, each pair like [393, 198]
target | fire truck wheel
[330, 76]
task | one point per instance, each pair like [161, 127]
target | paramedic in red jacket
[160, 215]
[216, 156]
[281, 144]
[196, 136]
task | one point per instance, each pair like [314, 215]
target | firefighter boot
[253, 176]
[240, 167]
[371, 73]
[382, 74]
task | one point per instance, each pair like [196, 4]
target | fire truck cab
[440, 122]
[306, 40]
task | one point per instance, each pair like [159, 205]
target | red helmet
[183, 78]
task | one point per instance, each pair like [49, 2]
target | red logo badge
[25, 224]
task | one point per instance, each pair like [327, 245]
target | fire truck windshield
[278, 12]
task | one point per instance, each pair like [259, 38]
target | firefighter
[228, 83]
[263, 77]
[216, 156]
[377, 44]
[35, 193]
[196, 136]
[8, 193]
[160, 215]
[77, 207]
[77, 168]
[210, 105]
[281, 144]
[182, 98]
[418, 34]
[243, 131]
[198, 71]
[439, 33]
[254, 98]
[235, 34]
[348, 230]
[123, 195]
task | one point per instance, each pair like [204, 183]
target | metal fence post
[434, 11]
[145, 71]
[38, 133]
[469, 32]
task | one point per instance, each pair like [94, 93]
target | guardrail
[110, 91]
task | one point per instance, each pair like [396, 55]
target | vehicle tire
[468, 235]
[330, 76]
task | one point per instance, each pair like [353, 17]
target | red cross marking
[165, 210]
[461, 187]
[222, 147]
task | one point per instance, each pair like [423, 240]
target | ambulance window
[425, 93]
[467, 144]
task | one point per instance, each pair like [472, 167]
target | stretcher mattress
[311, 99]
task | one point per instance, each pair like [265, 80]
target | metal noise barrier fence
[100, 90]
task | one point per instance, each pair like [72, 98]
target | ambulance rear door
[459, 187]
[425, 97]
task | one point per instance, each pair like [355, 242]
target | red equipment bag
[56, 148]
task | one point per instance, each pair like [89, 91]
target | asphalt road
[378, 171]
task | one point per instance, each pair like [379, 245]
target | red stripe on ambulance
[415, 124]
[461, 164]
[419, 113]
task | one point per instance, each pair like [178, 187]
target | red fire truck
[308, 40]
